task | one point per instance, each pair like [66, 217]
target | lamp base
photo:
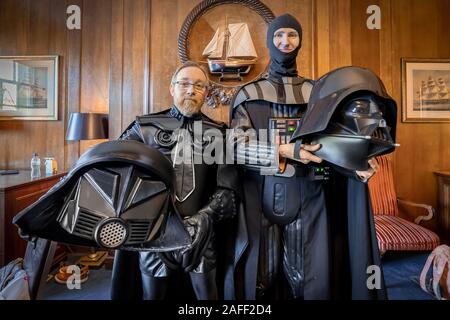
[94, 260]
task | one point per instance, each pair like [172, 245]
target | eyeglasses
[198, 86]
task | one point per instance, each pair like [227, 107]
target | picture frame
[425, 90]
[29, 87]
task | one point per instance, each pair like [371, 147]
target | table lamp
[89, 126]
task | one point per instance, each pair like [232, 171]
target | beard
[189, 107]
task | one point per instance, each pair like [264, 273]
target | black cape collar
[174, 112]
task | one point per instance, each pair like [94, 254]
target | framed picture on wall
[425, 90]
[29, 88]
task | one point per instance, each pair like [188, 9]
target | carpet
[401, 273]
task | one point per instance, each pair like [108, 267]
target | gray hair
[186, 65]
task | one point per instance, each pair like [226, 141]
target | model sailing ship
[231, 52]
[433, 92]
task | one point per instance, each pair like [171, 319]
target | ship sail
[433, 92]
[443, 91]
[214, 48]
[240, 44]
[432, 89]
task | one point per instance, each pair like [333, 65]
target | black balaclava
[283, 64]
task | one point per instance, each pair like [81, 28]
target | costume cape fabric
[353, 239]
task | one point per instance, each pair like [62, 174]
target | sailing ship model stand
[231, 52]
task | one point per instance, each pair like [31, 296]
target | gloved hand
[222, 205]
[200, 228]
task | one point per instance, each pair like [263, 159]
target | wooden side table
[17, 192]
[443, 179]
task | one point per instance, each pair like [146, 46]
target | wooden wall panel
[163, 51]
[57, 43]
[72, 67]
[385, 47]
[365, 43]
[417, 32]
[135, 59]
[116, 70]
[340, 33]
[333, 35]
[321, 36]
[28, 28]
[443, 51]
[303, 11]
[95, 59]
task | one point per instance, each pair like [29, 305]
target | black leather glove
[222, 205]
[200, 228]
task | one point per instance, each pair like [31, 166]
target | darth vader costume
[307, 227]
[272, 203]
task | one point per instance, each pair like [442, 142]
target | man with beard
[200, 198]
[283, 223]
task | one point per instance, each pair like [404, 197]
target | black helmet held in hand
[351, 115]
[119, 195]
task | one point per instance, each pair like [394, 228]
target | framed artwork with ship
[29, 87]
[425, 90]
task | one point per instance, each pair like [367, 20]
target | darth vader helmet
[351, 115]
[119, 195]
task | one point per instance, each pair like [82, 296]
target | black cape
[353, 239]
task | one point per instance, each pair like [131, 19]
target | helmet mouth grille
[112, 233]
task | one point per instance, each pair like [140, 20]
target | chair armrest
[429, 208]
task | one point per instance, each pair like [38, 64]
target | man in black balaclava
[283, 222]
[281, 246]
[284, 42]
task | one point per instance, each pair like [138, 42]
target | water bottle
[35, 166]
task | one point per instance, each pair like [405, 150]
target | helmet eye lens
[361, 107]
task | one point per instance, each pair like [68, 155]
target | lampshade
[87, 126]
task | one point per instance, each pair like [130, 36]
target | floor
[401, 271]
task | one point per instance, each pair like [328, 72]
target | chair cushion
[395, 233]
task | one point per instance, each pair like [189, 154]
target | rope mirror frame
[218, 94]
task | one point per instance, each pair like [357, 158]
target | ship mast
[226, 40]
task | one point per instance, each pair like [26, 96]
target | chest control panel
[282, 129]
